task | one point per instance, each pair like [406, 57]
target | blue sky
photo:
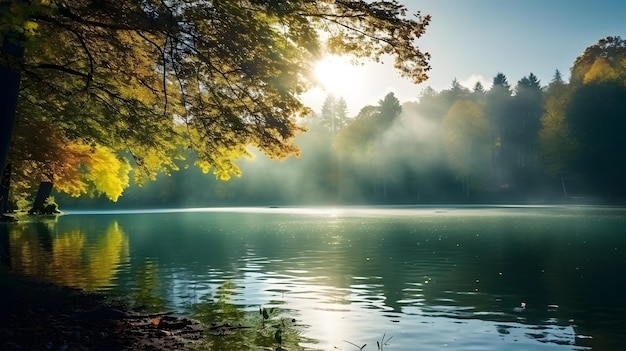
[473, 40]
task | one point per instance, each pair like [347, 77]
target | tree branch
[162, 52]
[63, 69]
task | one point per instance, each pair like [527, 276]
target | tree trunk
[11, 55]
[5, 185]
[43, 193]
[8, 103]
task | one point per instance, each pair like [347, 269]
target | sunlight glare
[338, 76]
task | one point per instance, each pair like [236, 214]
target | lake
[409, 278]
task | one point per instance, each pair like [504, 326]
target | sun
[338, 76]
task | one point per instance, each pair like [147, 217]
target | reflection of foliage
[147, 283]
[68, 258]
[106, 255]
[236, 327]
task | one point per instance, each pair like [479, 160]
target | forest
[514, 142]
[157, 104]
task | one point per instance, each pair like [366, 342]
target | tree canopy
[559, 142]
[146, 80]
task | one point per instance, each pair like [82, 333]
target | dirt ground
[41, 316]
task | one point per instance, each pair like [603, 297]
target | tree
[557, 79]
[334, 112]
[556, 145]
[353, 140]
[595, 117]
[500, 82]
[467, 140]
[388, 109]
[525, 121]
[601, 58]
[42, 152]
[153, 77]
[361, 141]
[456, 92]
[498, 108]
[600, 70]
[520, 132]
[479, 89]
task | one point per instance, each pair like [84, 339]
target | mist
[454, 146]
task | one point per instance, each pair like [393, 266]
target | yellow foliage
[107, 172]
[204, 166]
[225, 167]
[30, 26]
[555, 140]
[218, 155]
[601, 70]
[96, 169]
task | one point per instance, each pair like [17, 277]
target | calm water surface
[449, 278]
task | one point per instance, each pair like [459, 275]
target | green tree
[467, 138]
[334, 113]
[519, 127]
[479, 88]
[525, 120]
[152, 77]
[361, 141]
[352, 139]
[556, 145]
[368, 126]
[595, 117]
[456, 92]
[389, 107]
[431, 104]
[498, 108]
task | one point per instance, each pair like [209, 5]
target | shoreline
[37, 315]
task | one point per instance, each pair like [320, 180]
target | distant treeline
[527, 142]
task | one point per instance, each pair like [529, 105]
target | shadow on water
[454, 276]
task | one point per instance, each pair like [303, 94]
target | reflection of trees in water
[241, 327]
[70, 257]
[460, 267]
[5, 252]
[44, 233]
[146, 291]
